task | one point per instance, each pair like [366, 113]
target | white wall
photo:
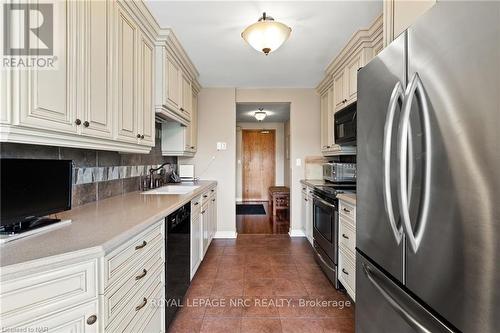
[305, 129]
[216, 123]
[287, 156]
[279, 156]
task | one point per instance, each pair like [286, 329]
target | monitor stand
[29, 227]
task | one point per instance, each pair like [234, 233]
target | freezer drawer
[382, 306]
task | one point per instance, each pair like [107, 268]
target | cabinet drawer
[121, 293]
[151, 320]
[43, 292]
[347, 272]
[122, 259]
[138, 304]
[347, 236]
[196, 205]
[347, 210]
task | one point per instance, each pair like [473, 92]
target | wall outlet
[221, 146]
[298, 162]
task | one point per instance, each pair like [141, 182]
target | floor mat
[250, 209]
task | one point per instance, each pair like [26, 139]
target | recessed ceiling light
[266, 35]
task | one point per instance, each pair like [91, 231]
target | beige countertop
[313, 182]
[100, 225]
[348, 197]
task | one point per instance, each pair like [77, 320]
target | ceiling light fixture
[260, 115]
[266, 35]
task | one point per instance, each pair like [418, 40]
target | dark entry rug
[250, 209]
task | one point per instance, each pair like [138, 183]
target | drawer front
[347, 210]
[119, 296]
[205, 197]
[138, 304]
[151, 321]
[42, 292]
[347, 272]
[122, 259]
[196, 205]
[347, 236]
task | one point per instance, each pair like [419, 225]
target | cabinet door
[330, 119]
[310, 217]
[303, 216]
[43, 94]
[187, 97]
[194, 123]
[145, 92]
[351, 78]
[339, 90]
[126, 108]
[195, 244]
[71, 320]
[324, 121]
[96, 112]
[205, 221]
[213, 217]
[173, 84]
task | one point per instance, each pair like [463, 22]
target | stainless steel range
[326, 226]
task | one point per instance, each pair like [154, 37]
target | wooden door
[258, 163]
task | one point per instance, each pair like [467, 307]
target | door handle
[415, 88]
[426, 324]
[396, 96]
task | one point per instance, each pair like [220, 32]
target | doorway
[262, 164]
[259, 164]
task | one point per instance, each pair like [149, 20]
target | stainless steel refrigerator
[428, 192]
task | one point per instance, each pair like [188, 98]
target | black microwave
[345, 126]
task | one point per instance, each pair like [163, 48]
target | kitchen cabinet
[399, 15]
[100, 93]
[339, 89]
[126, 84]
[146, 135]
[327, 120]
[206, 224]
[94, 116]
[307, 212]
[176, 79]
[193, 125]
[196, 235]
[347, 246]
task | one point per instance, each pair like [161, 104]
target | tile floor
[260, 283]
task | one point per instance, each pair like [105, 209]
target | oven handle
[323, 201]
[324, 261]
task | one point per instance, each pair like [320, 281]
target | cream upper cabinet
[94, 116]
[145, 91]
[324, 120]
[194, 122]
[174, 97]
[187, 97]
[43, 94]
[352, 68]
[339, 89]
[126, 67]
[400, 14]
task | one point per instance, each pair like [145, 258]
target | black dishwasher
[177, 260]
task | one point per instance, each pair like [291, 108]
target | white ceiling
[210, 33]
[276, 112]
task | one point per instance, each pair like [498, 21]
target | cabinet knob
[142, 136]
[143, 304]
[347, 210]
[91, 320]
[182, 109]
[86, 124]
[343, 235]
[193, 147]
[138, 136]
[345, 272]
[143, 274]
[144, 243]
[78, 122]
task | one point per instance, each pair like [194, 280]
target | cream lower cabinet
[307, 212]
[99, 94]
[347, 247]
[88, 291]
[203, 226]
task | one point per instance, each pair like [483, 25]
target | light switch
[298, 162]
[221, 145]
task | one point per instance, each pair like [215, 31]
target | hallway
[276, 282]
[263, 224]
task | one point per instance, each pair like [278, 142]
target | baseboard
[297, 233]
[225, 234]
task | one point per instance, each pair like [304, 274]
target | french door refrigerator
[428, 192]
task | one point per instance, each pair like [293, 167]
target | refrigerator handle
[413, 315]
[396, 96]
[415, 88]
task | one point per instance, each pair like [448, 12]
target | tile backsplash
[97, 174]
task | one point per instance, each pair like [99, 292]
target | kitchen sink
[172, 189]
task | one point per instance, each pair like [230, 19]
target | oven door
[325, 227]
